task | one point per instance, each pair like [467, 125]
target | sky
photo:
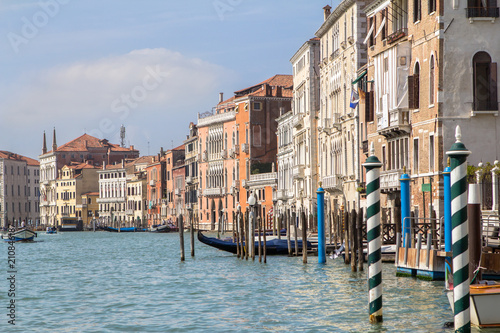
[88, 66]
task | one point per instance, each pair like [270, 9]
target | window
[257, 136]
[415, 155]
[373, 24]
[482, 8]
[485, 83]
[257, 106]
[432, 6]
[431, 80]
[431, 153]
[414, 88]
[369, 106]
[417, 14]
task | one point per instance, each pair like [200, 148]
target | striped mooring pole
[447, 222]
[460, 238]
[372, 166]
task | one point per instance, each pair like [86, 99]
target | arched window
[484, 83]
[431, 80]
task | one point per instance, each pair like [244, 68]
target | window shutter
[372, 108]
[493, 86]
[411, 97]
[416, 93]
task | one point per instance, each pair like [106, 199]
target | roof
[91, 193]
[85, 141]
[78, 166]
[284, 81]
[16, 157]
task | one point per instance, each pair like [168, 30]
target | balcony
[189, 179]
[214, 192]
[298, 120]
[207, 119]
[152, 183]
[245, 148]
[129, 212]
[333, 183]
[189, 206]
[282, 195]
[263, 179]
[399, 124]
[177, 191]
[389, 180]
[481, 12]
[236, 183]
[397, 35]
[223, 153]
[298, 171]
[234, 151]
[244, 183]
[343, 45]
[204, 156]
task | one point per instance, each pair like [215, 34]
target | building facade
[191, 177]
[341, 54]
[19, 190]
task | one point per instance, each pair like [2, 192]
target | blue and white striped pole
[405, 206]
[321, 225]
[372, 166]
[447, 221]
[460, 237]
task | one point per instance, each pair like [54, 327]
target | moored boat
[128, 229]
[484, 300]
[273, 246]
[163, 228]
[21, 235]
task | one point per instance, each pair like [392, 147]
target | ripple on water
[104, 282]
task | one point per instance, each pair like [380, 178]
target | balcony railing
[245, 148]
[189, 179]
[209, 119]
[397, 35]
[204, 156]
[216, 191]
[129, 212]
[223, 153]
[481, 12]
[234, 151]
[333, 183]
[389, 180]
[298, 171]
[152, 182]
[298, 120]
[177, 191]
[236, 183]
[263, 179]
[399, 123]
[282, 195]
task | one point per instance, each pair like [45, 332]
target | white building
[305, 107]
[19, 190]
[342, 53]
[285, 159]
[112, 194]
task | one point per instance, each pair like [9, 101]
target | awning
[360, 77]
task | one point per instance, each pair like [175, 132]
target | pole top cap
[458, 148]
[372, 161]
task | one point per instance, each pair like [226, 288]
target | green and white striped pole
[460, 235]
[372, 166]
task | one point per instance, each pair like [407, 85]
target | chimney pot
[326, 11]
[221, 97]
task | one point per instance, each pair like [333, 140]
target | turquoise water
[135, 282]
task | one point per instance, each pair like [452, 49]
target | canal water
[135, 282]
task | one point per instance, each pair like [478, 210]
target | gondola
[129, 229]
[273, 246]
[21, 235]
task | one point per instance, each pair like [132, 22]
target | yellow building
[73, 181]
[89, 209]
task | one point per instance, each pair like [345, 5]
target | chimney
[269, 90]
[158, 157]
[123, 163]
[44, 147]
[221, 97]
[104, 165]
[161, 151]
[131, 147]
[326, 11]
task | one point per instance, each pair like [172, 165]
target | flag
[354, 99]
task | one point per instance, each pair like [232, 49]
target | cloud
[154, 89]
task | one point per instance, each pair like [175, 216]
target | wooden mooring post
[354, 243]
[191, 220]
[259, 227]
[361, 257]
[180, 224]
[304, 236]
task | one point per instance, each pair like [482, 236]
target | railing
[333, 183]
[215, 118]
[205, 156]
[189, 179]
[223, 153]
[389, 180]
[298, 171]
[399, 117]
[216, 191]
[152, 182]
[481, 12]
[245, 148]
[129, 212]
[236, 183]
[177, 191]
[234, 151]
[298, 120]
[397, 35]
[264, 176]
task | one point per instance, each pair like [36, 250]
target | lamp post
[251, 230]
